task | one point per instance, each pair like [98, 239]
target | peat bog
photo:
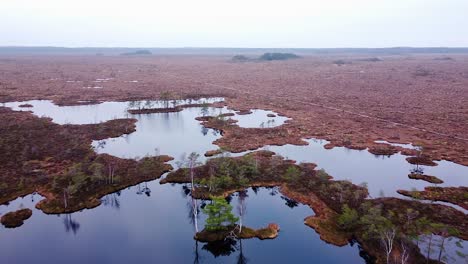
[272, 191]
[181, 159]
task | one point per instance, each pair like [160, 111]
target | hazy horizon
[240, 24]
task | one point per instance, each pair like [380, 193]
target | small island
[428, 178]
[16, 218]
[221, 224]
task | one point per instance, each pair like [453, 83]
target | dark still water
[133, 227]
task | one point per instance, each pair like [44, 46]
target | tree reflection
[144, 190]
[290, 202]
[204, 111]
[255, 189]
[70, 224]
[224, 248]
[112, 200]
[272, 190]
[196, 254]
[228, 199]
[241, 207]
[100, 144]
[417, 169]
[204, 130]
[221, 248]
[216, 132]
[185, 190]
[241, 259]
[193, 212]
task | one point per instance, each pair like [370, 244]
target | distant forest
[213, 51]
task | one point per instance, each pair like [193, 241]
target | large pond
[137, 225]
[131, 227]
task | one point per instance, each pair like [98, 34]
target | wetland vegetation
[92, 163]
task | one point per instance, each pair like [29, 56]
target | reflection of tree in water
[204, 111]
[224, 248]
[241, 207]
[255, 190]
[100, 144]
[32, 197]
[193, 210]
[229, 199]
[144, 190]
[417, 170]
[185, 190]
[70, 224]
[290, 202]
[112, 200]
[363, 254]
[196, 254]
[204, 130]
[216, 132]
[241, 259]
[273, 190]
[221, 248]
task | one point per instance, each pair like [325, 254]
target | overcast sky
[234, 23]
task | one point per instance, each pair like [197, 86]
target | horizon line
[227, 47]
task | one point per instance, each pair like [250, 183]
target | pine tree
[219, 215]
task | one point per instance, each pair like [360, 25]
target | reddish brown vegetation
[58, 161]
[244, 112]
[170, 109]
[350, 106]
[428, 178]
[269, 232]
[454, 195]
[155, 110]
[211, 153]
[324, 219]
[383, 149]
[421, 160]
[15, 219]
[239, 139]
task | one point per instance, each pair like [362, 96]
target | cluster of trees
[397, 231]
[335, 193]
[86, 178]
[137, 52]
[277, 56]
[167, 99]
[269, 56]
[140, 105]
[225, 173]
